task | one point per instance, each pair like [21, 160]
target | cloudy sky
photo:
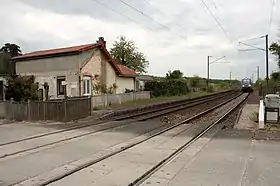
[173, 34]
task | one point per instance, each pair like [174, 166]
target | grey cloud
[241, 19]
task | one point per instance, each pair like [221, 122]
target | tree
[275, 50]
[275, 76]
[125, 51]
[22, 88]
[176, 74]
[5, 65]
[12, 49]
[6, 53]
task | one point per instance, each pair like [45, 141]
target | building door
[1, 90]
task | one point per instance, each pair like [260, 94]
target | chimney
[101, 40]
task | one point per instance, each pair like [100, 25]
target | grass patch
[138, 103]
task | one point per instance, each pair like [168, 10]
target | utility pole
[208, 67]
[258, 72]
[266, 56]
[208, 64]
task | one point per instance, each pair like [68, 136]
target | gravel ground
[187, 113]
[231, 119]
[212, 116]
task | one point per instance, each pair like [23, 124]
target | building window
[61, 88]
[87, 85]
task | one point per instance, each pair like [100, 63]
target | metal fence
[58, 110]
[111, 99]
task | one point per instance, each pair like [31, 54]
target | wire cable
[121, 14]
[254, 38]
[149, 17]
[218, 22]
[149, 3]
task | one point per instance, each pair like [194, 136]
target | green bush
[169, 87]
[22, 88]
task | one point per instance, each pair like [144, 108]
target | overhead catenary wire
[149, 17]
[121, 14]
[216, 19]
[252, 46]
[149, 3]
[254, 38]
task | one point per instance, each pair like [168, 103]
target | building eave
[27, 58]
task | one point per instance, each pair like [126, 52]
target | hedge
[172, 87]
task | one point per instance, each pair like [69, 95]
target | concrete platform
[18, 130]
[53, 140]
[127, 166]
[232, 158]
[247, 114]
[13, 170]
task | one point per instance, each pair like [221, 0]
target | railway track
[163, 162]
[129, 116]
[46, 141]
[149, 114]
[233, 103]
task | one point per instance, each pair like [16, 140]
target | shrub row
[172, 87]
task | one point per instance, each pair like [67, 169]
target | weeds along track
[199, 124]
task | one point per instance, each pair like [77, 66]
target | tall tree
[12, 49]
[6, 53]
[5, 65]
[176, 74]
[275, 49]
[126, 52]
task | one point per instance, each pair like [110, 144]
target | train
[247, 85]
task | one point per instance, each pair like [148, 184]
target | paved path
[230, 159]
[13, 170]
[18, 130]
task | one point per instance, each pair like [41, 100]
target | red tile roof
[59, 51]
[127, 71]
[121, 70]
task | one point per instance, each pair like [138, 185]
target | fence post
[28, 109]
[44, 103]
[65, 108]
[13, 109]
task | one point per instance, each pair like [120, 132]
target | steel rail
[94, 161]
[162, 163]
[186, 105]
[99, 123]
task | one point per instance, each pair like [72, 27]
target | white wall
[125, 83]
